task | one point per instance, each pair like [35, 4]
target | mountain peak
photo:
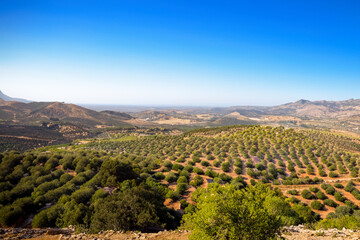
[302, 101]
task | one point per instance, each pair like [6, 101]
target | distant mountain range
[35, 113]
[13, 110]
[7, 98]
[25, 124]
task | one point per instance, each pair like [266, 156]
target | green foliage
[159, 176]
[317, 205]
[305, 213]
[307, 194]
[197, 181]
[338, 185]
[348, 222]
[171, 177]
[228, 219]
[330, 203]
[112, 172]
[320, 195]
[339, 197]
[293, 192]
[198, 171]
[134, 209]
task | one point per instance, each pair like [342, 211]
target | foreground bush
[348, 222]
[222, 212]
[134, 209]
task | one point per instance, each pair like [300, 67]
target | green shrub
[305, 213]
[316, 205]
[293, 200]
[342, 211]
[218, 214]
[339, 197]
[293, 192]
[205, 163]
[225, 166]
[330, 203]
[177, 167]
[314, 189]
[320, 195]
[216, 163]
[197, 181]
[181, 188]
[159, 176]
[198, 171]
[333, 174]
[338, 185]
[307, 194]
[171, 177]
[348, 222]
[226, 178]
[130, 210]
[350, 186]
[168, 164]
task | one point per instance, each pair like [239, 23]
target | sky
[183, 53]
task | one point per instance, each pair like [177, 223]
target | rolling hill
[12, 112]
[7, 98]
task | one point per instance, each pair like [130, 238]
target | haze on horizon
[193, 53]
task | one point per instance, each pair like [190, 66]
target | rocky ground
[291, 233]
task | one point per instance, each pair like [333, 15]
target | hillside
[28, 125]
[38, 112]
[340, 115]
[315, 171]
[319, 109]
[323, 163]
[7, 98]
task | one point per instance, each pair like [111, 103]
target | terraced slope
[73, 178]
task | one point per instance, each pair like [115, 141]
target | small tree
[219, 214]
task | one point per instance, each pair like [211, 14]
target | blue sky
[209, 53]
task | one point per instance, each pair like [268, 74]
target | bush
[333, 174]
[238, 171]
[171, 177]
[320, 195]
[189, 168]
[224, 177]
[130, 210]
[307, 194]
[168, 164]
[348, 222]
[350, 187]
[338, 185]
[159, 176]
[342, 211]
[218, 214]
[198, 171]
[293, 192]
[339, 197]
[328, 188]
[316, 205]
[330, 203]
[260, 166]
[225, 166]
[211, 173]
[177, 167]
[216, 163]
[305, 213]
[197, 181]
[181, 188]
[205, 163]
[293, 200]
